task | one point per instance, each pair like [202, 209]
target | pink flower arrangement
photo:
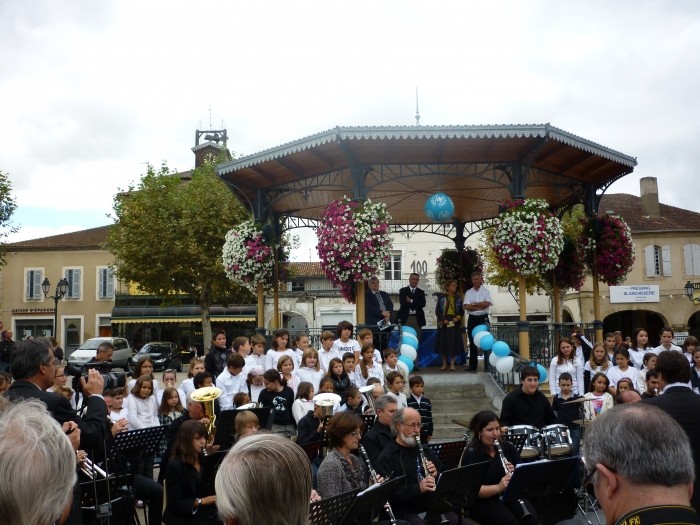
[609, 237]
[353, 242]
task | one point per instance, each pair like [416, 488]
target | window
[74, 278]
[32, 284]
[691, 256]
[392, 268]
[657, 260]
[105, 283]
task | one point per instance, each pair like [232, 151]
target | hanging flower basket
[609, 237]
[571, 270]
[353, 242]
[248, 258]
[450, 267]
[527, 237]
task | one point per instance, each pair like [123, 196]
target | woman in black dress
[488, 509]
[449, 312]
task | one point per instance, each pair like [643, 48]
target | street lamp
[61, 291]
[690, 289]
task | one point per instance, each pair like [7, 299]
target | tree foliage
[8, 205]
[168, 236]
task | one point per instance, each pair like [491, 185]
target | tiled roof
[306, 269]
[91, 239]
[630, 208]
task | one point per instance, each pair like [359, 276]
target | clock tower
[208, 145]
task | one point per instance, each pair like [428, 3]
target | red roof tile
[630, 208]
[91, 239]
[306, 269]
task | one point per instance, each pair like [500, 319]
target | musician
[310, 427]
[183, 477]
[34, 451]
[265, 479]
[402, 458]
[340, 470]
[527, 405]
[486, 430]
[379, 436]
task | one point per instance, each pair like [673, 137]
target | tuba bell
[207, 395]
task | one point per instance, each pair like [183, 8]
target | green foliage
[168, 235]
[8, 205]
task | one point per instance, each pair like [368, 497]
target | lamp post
[60, 293]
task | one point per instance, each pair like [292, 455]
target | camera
[111, 379]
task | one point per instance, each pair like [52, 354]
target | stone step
[448, 432]
[445, 418]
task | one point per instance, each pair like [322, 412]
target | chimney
[650, 196]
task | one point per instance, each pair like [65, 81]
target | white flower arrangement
[247, 259]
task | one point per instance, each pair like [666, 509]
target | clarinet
[523, 507]
[375, 478]
[423, 459]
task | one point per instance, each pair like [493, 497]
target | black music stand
[518, 441]
[543, 478]
[212, 462]
[370, 501]
[449, 453]
[329, 511]
[139, 443]
[456, 489]
[107, 500]
[369, 421]
[224, 429]
[314, 450]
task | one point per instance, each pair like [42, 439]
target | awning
[181, 314]
[182, 320]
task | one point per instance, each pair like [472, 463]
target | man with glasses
[639, 462]
[402, 458]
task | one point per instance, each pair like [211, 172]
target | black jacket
[418, 304]
[376, 440]
[183, 485]
[373, 313]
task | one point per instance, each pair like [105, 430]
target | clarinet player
[404, 456]
[484, 446]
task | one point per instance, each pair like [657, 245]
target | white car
[121, 357]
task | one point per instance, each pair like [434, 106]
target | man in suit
[411, 304]
[33, 367]
[681, 403]
[378, 308]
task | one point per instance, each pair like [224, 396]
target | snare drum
[531, 448]
[557, 440]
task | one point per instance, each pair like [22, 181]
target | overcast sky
[91, 91]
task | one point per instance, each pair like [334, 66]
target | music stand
[329, 511]
[449, 453]
[457, 488]
[370, 501]
[518, 441]
[212, 462]
[545, 477]
[134, 444]
[313, 450]
[369, 421]
[224, 429]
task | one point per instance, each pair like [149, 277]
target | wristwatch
[199, 502]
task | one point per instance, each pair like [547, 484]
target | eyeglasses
[588, 478]
[355, 434]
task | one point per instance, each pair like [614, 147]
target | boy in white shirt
[231, 381]
[395, 383]
[327, 351]
[257, 357]
[667, 341]
[391, 360]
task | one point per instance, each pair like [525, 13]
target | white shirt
[661, 348]
[273, 356]
[301, 407]
[477, 296]
[143, 413]
[339, 347]
[230, 385]
[573, 367]
[372, 371]
[401, 401]
[324, 357]
[252, 361]
[637, 356]
[615, 374]
[132, 383]
[180, 393]
[310, 375]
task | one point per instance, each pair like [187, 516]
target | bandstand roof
[478, 166]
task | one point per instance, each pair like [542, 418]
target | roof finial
[210, 126]
[417, 113]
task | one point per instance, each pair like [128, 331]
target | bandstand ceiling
[478, 166]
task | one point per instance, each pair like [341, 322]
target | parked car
[121, 357]
[163, 354]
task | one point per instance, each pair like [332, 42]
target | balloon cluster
[408, 352]
[500, 356]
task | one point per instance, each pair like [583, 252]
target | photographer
[102, 364]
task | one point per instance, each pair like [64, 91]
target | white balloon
[409, 352]
[493, 359]
[403, 367]
[505, 364]
[478, 337]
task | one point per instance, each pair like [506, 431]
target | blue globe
[439, 207]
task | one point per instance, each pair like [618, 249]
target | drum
[531, 448]
[557, 440]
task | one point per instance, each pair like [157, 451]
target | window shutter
[695, 258]
[38, 275]
[110, 283]
[75, 285]
[666, 260]
[688, 259]
[29, 281]
[649, 265]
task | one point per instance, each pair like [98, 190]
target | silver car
[121, 357]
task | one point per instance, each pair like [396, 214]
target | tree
[168, 236]
[8, 205]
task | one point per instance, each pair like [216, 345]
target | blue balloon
[409, 330]
[543, 373]
[439, 207]
[410, 340]
[479, 328]
[487, 342]
[501, 349]
[406, 361]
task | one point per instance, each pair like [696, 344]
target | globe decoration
[439, 207]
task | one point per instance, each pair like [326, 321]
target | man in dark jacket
[379, 436]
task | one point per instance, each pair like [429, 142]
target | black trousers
[472, 322]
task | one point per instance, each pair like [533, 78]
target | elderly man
[681, 403]
[402, 458]
[33, 450]
[379, 436]
[655, 489]
[265, 478]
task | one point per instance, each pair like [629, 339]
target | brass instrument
[91, 470]
[207, 395]
[326, 402]
[523, 507]
[368, 408]
[375, 478]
